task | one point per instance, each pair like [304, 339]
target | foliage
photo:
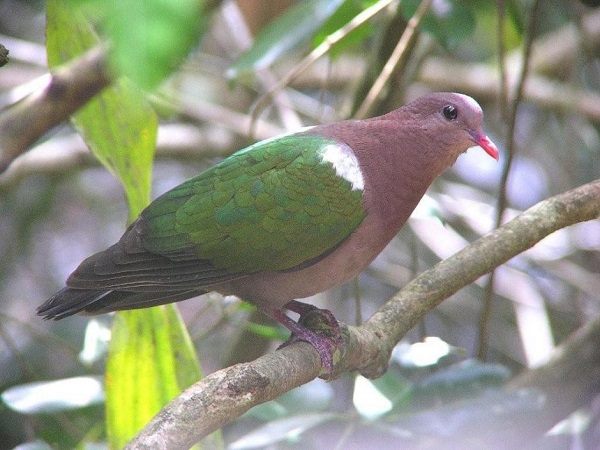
[55, 214]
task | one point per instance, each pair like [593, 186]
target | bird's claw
[319, 328]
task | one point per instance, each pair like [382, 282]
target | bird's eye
[450, 112]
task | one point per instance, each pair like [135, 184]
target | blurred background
[58, 206]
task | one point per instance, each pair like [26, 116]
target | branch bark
[228, 393]
[66, 91]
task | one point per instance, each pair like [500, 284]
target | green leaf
[394, 387]
[152, 360]
[449, 21]
[515, 15]
[151, 357]
[289, 30]
[68, 34]
[120, 128]
[118, 125]
[151, 38]
[344, 14]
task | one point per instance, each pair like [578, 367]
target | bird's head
[452, 119]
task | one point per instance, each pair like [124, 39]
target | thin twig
[486, 310]
[317, 53]
[396, 59]
[506, 170]
[500, 23]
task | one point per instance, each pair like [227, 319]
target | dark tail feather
[68, 301]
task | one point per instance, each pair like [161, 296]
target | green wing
[272, 206]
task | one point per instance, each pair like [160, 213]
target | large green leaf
[460, 380]
[118, 125]
[151, 357]
[149, 38]
[151, 360]
[152, 37]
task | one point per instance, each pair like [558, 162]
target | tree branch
[65, 92]
[228, 393]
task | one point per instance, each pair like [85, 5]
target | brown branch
[214, 401]
[65, 92]
[3, 55]
[69, 152]
[430, 288]
[228, 393]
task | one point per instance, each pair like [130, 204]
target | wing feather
[273, 206]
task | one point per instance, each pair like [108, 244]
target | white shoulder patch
[345, 164]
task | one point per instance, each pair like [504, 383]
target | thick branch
[226, 394]
[217, 399]
[409, 305]
[65, 92]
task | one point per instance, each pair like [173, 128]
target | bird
[283, 219]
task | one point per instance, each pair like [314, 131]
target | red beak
[485, 143]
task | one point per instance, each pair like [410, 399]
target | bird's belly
[274, 289]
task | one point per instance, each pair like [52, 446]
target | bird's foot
[316, 326]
